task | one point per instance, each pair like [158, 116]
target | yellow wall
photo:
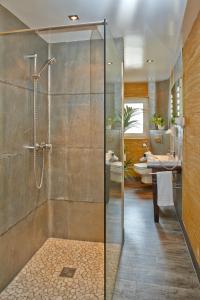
[133, 147]
[191, 156]
[136, 89]
[134, 150]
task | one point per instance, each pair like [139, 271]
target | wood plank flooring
[155, 263]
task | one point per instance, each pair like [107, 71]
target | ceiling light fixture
[73, 17]
[149, 61]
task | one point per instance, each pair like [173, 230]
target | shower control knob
[48, 147]
[37, 147]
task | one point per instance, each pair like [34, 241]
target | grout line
[23, 218]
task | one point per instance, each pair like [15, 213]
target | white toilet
[144, 172]
[116, 171]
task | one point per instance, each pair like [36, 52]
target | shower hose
[38, 181]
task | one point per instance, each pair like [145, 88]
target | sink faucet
[145, 146]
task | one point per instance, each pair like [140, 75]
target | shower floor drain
[68, 272]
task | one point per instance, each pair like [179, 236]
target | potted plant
[110, 122]
[173, 119]
[158, 121]
[129, 113]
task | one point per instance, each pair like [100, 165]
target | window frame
[145, 102]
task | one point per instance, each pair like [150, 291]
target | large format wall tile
[86, 221]
[97, 63]
[70, 120]
[58, 219]
[77, 174]
[76, 220]
[77, 136]
[59, 173]
[85, 169]
[72, 68]
[97, 120]
[14, 113]
[15, 67]
[23, 211]
[21, 242]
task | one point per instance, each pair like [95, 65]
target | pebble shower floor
[40, 278]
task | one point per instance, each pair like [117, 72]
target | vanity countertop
[161, 161]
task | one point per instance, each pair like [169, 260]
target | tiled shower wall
[77, 114]
[23, 209]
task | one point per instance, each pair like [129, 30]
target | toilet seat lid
[141, 165]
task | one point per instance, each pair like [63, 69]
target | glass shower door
[114, 178]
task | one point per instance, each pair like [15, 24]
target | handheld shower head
[50, 61]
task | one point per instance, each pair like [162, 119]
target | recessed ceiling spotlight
[149, 61]
[109, 63]
[73, 17]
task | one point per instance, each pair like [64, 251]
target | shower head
[50, 61]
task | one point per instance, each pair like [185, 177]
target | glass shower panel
[79, 113]
[70, 117]
[113, 161]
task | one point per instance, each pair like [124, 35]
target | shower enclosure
[59, 88]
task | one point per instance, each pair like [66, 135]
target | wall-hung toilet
[144, 172]
[114, 167]
[116, 171]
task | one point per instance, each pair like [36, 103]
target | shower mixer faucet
[39, 147]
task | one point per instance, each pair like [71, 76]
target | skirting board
[194, 260]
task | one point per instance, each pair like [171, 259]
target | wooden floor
[155, 263]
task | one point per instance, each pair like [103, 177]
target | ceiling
[151, 28]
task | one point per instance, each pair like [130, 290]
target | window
[140, 118]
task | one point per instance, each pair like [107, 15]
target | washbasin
[163, 160]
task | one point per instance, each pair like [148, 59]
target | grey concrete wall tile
[77, 174]
[77, 220]
[96, 175]
[59, 173]
[70, 120]
[21, 242]
[58, 219]
[17, 69]
[19, 195]
[86, 221]
[23, 221]
[97, 63]
[97, 121]
[73, 62]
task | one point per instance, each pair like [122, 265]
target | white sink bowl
[163, 160]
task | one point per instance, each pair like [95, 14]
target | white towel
[164, 188]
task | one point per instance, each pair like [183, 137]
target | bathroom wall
[23, 209]
[133, 147]
[191, 146]
[134, 151]
[77, 114]
[136, 89]
[152, 101]
[162, 99]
